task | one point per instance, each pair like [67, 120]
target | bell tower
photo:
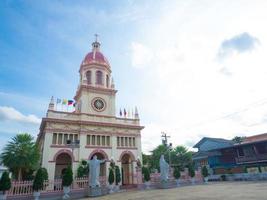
[96, 91]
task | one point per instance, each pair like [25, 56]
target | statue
[94, 166]
[164, 169]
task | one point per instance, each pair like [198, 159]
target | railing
[24, 188]
[252, 158]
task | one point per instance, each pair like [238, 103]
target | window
[99, 78]
[134, 142]
[118, 141]
[93, 140]
[130, 142]
[60, 138]
[98, 140]
[108, 140]
[65, 138]
[88, 139]
[54, 138]
[107, 81]
[103, 140]
[126, 141]
[71, 137]
[122, 143]
[89, 77]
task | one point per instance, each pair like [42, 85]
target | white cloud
[141, 55]
[11, 114]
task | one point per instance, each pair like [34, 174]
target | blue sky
[193, 68]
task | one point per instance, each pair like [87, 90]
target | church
[92, 128]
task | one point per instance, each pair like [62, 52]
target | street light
[73, 144]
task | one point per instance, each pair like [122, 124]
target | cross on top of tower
[96, 44]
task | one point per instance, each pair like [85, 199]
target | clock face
[98, 104]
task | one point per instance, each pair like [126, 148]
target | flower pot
[177, 182]
[111, 188]
[193, 181]
[3, 196]
[206, 179]
[66, 190]
[36, 195]
[147, 184]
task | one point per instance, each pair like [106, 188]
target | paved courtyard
[212, 191]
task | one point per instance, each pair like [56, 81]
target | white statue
[94, 169]
[164, 169]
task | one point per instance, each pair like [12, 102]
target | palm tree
[21, 155]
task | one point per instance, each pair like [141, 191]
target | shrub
[67, 177]
[204, 171]
[38, 181]
[118, 175]
[176, 173]
[83, 169]
[5, 182]
[45, 173]
[191, 171]
[145, 172]
[223, 177]
[111, 176]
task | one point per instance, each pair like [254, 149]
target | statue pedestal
[97, 191]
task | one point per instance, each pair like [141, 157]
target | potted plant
[177, 175]
[111, 179]
[146, 174]
[192, 174]
[205, 173]
[118, 177]
[5, 184]
[67, 180]
[38, 183]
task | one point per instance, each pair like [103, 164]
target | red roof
[95, 57]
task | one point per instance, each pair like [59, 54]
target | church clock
[98, 104]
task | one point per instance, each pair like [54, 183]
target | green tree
[67, 178]
[191, 171]
[180, 157]
[238, 139]
[21, 155]
[118, 175]
[146, 173]
[111, 176]
[45, 173]
[5, 182]
[176, 173]
[83, 169]
[39, 179]
[204, 171]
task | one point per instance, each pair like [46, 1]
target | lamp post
[165, 143]
[73, 145]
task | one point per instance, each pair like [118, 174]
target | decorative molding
[129, 153]
[133, 148]
[93, 147]
[64, 151]
[98, 151]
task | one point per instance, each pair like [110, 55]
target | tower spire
[96, 44]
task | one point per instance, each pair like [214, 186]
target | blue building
[223, 156]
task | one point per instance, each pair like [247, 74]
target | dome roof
[95, 57]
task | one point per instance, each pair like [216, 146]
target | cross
[96, 35]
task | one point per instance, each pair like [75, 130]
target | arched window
[99, 78]
[89, 77]
[107, 81]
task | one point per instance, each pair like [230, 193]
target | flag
[125, 113]
[70, 102]
[120, 113]
[64, 101]
[58, 100]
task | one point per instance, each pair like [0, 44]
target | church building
[66, 138]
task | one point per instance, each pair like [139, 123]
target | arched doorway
[63, 160]
[127, 169]
[100, 156]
